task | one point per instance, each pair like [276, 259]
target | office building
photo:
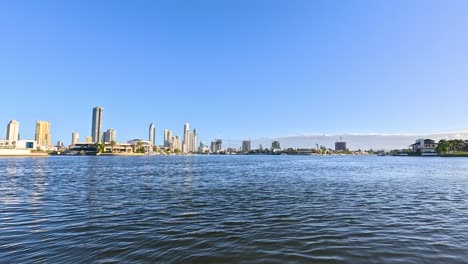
[13, 131]
[246, 146]
[108, 136]
[75, 138]
[43, 134]
[152, 132]
[96, 130]
[88, 139]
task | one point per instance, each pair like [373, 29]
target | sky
[235, 69]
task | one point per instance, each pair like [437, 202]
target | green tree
[444, 146]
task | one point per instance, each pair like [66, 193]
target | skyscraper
[176, 144]
[152, 132]
[96, 130]
[75, 138]
[108, 136]
[246, 146]
[42, 134]
[186, 143]
[13, 131]
[168, 139]
[194, 140]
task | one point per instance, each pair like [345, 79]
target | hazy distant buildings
[88, 139]
[151, 134]
[275, 145]
[42, 135]
[340, 146]
[108, 136]
[246, 146]
[96, 130]
[13, 131]
[75, 138]
[216, 146]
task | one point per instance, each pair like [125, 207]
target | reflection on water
[220, 209]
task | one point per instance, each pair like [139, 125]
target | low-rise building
[19, 147]
[427, 147]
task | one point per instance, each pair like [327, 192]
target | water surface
[228, 209]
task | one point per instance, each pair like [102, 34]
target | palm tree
[99, 147]
[112, 144]
[139, 145]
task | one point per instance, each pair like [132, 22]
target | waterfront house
[426, 147]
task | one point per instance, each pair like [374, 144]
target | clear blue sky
[235, 69]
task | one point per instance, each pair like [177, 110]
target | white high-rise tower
[152, 132]
[186, 143]
[13, 131]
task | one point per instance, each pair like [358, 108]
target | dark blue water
[230, 209]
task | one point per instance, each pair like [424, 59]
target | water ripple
[227, 209]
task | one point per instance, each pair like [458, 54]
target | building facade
[340, 146]
[216, 146]
[42, 135]
[246, 146]
[426, 147]
[186, 142]
[194, 141]
[275, 145]
[13, 131]
[108, 136]
[151, 134]
[75, 138]
[168, 138]
[96, 129]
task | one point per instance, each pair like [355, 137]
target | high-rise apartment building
[108, 136]
[176, 143]
[96, 130]
[194, 141]
[216, 146]
[151, 134]
[43, 134]
[75, 138]
[246, 146]
[186, 142]
[168, 139]
[13, 131]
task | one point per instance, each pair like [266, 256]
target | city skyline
[354, 140]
